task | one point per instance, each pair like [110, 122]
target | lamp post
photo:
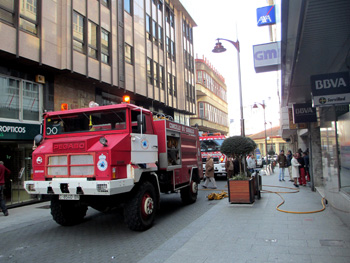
[263, 105]
[219, 48]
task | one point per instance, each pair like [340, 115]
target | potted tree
[240, 187]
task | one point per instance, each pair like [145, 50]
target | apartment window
[7, 11]
[78, 32]
[149, 71]
[173, 50]
[19, 94]
[148, 27]
[160, 37]
[170, 85]
[92, 39]
[174, 86]
[161, 77]
[155, 74]
[104, 46]
[127, 6]
[154, 31]
[169, 16]
[129, 54]
[105, 3]
[28, 16]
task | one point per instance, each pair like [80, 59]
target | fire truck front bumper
[78, 186]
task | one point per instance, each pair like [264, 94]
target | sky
[236, 19]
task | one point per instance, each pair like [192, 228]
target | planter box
[241, 192]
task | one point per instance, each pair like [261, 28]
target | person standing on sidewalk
[251, 164]
[295, 169]
[3, 171]
[307, 164]
[289, 164]
[302, 179]
[229, 167]
[209, 172]
[282, 162]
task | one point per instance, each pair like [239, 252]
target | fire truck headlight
[30, 187]
[102, 188]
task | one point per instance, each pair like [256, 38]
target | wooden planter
[241, 192]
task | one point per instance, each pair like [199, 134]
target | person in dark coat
[236, 166]
[3, 172]
[307, 164]
[282, 162]
[302, 179]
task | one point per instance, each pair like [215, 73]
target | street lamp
[219, 48]
[263, 105]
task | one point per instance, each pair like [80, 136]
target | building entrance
[17, 157]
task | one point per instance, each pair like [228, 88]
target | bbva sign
[330, 84]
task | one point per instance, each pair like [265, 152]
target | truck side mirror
[141, 123]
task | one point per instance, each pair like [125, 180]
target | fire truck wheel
[140, 211]
[67, 213]
[189, 193]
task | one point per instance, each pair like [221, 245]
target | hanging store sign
[18, 131]
[266, 15]
[303, 113]
[330, 89]
[267, 57]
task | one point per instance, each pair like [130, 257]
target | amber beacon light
[126, 99]
[64, 106]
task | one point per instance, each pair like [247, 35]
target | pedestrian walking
[282, 162]
[229, 167]
[289, 165]
[295, 169]
[3, 171]
[209, 172]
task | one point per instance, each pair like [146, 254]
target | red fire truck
[210, 146]
[113, 156]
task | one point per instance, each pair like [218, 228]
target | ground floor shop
[16, 142]
[334, 182]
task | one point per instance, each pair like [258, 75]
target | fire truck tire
[67, 213]
[189, 193]
[139, 212]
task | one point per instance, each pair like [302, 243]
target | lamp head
[255, 106]
[219, 48]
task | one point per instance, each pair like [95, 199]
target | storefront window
[344, 151]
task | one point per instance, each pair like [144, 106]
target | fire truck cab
[210, 146]
[113, 156]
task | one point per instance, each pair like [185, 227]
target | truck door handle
[155, 146]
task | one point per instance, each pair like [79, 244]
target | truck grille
[70, 165]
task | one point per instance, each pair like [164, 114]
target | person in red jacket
[3, 171]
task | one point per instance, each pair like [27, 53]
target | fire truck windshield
[211, 145]
[86, 122]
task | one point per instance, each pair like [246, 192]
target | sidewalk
[241, 233]
[260, 233]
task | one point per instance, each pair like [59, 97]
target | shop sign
[18, 131]
[266, 15]
[330, 89]
[303, 113]
[267, 57]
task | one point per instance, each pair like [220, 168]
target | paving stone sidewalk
[260, 233]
